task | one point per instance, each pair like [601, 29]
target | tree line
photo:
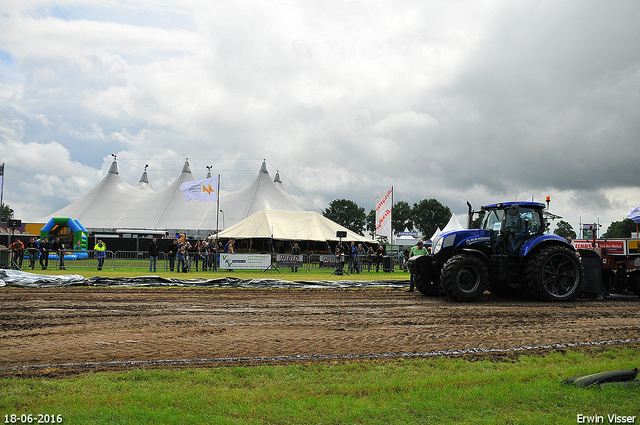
[617, 229]
[425, 216]
[429, 214]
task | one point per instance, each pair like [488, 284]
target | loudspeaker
[341, 234]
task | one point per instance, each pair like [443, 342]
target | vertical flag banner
[2, 183]
[205, 190]
[384, 203]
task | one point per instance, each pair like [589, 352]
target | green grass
[283, 274]
[521, 390]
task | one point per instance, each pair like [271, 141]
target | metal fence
[141, 260]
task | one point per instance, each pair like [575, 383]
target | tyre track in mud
[47, 326]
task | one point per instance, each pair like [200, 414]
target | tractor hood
[461, 237]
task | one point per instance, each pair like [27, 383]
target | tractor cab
[510, 224]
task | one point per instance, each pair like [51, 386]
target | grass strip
[522, 389]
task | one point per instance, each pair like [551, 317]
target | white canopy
[453, 224]
[114, 204]
[290, 225]
[107, 201]
[406, 240]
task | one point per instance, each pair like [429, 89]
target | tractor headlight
[438, 246]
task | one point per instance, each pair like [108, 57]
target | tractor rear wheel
[464, 277]
[554, 273]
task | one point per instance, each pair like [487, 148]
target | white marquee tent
[290, 225]
[114, 204]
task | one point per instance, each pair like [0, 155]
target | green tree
[7, 213]
[401, 216]
[429, 214]
[620, 229]
[371, 222]
[564, 230]
[346, 213]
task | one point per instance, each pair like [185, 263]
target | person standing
[45, 247]
[196, 254]
[17, 250]
[380, 253]
[360, 256]
[58, 248]
[181, 259]
[352, 256]
[419, 249]
[32, 250]
[213, 256]
[172, 251]
[101, 252]
[295, 251]
[370, 257]
[153, 255]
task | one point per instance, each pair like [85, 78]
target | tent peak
[186, 168]
[277, 178]
[114, 167]
[263, 168]
[144, 178]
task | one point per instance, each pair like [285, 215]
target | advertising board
[289, 260]
[245, 261]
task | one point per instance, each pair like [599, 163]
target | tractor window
[531, 219]
[493, 220]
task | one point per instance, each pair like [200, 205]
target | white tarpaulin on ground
[20, 278]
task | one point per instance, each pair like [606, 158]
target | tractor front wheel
[427, 287]
[464, 277]
[554, 273]
[634, 282]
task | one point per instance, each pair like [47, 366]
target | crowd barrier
[86, 259]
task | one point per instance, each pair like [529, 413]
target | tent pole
[391, 219]
[217, 213]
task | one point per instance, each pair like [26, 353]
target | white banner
[205, 190]
[245, 261]
[384, 203]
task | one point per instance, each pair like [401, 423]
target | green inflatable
[55, 226]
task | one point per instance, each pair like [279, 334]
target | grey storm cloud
[458, 101]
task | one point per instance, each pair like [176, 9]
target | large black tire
[426, 287]
[464, 278]
[554, 273]
[634, 282]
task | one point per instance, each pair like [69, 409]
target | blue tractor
[505, 249]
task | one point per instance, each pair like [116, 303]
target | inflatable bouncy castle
[66, 228]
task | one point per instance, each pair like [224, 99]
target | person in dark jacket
[32, 249]
[153, 255]
[172, 252]
[45, 247]
[295, 251]
[58, 247]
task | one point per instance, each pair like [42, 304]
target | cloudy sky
[479, 101]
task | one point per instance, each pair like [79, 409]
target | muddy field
[59, 331]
